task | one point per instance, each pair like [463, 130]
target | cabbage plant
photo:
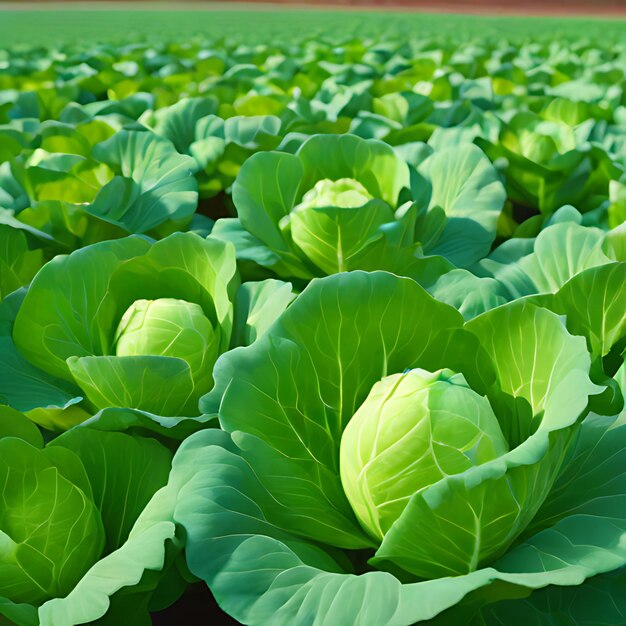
[87, 184]
[79, 535]
[342, 203]
[383, 462]
[130, 323]
[546, 166]
[219, 146]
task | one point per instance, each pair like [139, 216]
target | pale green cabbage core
[413, 430]
[170, 328]
[345, 193]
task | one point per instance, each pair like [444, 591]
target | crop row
[335, 326]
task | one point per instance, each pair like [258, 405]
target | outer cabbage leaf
[46, 548]
[593, 302]
[142, 422]
[588, 500]
[92, 528]
[25, 387]
[16, 424]
[143, 571]
[464, 185]
[178, 122]
[468, 293]
[124, 471]
[258, 305]
[543, 265]
[154, 184]
[597, 602]
[18, 264]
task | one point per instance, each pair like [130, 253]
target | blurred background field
[518, 7]
[46, 23]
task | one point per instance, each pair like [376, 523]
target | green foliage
[268, 507]
[127, 323]
[328, 315]
[68, 506]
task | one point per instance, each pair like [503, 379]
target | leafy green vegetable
[425, 425]
[18, 264]
[412, 430]
[68, 509]
[309, 215]
[126, 323]
[297, 472]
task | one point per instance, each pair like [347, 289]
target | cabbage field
[312, 319]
